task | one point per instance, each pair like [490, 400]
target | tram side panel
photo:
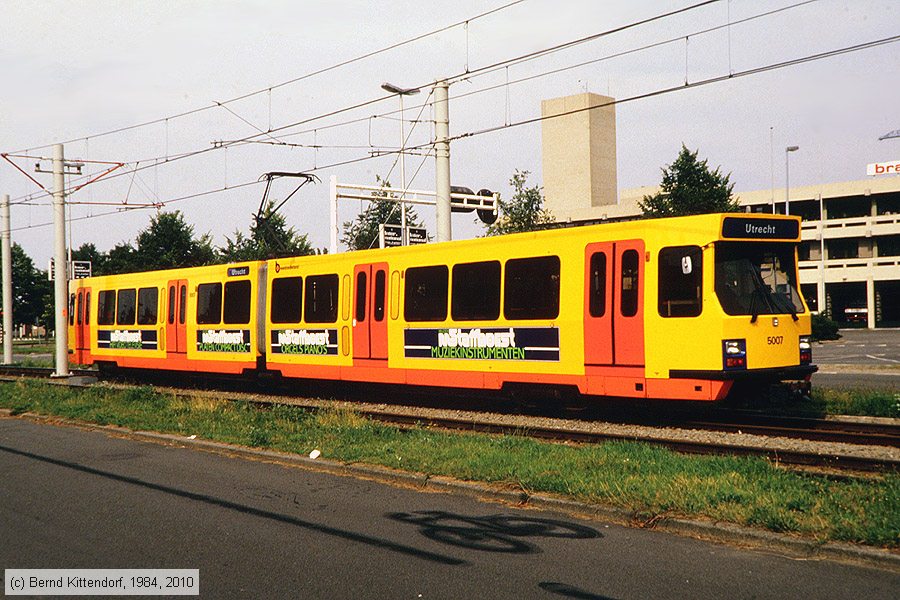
[308, 316]
[485, 313]
[221, 332]
[198, 319]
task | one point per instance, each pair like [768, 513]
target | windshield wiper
[753, 314]
[787, 305]
[762, 289]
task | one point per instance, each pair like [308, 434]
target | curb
[718, 532]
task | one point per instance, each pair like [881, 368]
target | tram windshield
[757, 278]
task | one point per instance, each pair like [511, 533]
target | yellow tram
[678, 308]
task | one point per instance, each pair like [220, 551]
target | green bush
[824, 328]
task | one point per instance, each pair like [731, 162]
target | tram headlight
[805, 349]
[734, 354]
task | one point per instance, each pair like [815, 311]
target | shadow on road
[351, 536]
[492, 533]
[569, 591]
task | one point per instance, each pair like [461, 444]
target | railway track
[668, 431]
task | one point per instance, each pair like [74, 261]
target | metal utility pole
[442, 159]
[60, 280]
[394, 89]
[7, 281]
[787, 180]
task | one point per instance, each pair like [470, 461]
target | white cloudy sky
[70, 69]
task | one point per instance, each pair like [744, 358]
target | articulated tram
[681, 308]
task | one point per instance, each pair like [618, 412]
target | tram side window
[425, 293]
[476, 291]
[71, 309]
[209, 303]
[125, 307]
[148, 302]
[171, 305]
[378, 304]
[106, 307]
[321, 304]
[630, 283]
[597, 298]
[182, 304]
[680, 281]
[237, 302]
[87, 309]
[287, 294]
[532, 288]
[361, 293]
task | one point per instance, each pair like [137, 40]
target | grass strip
[36, 347]
[868, 403]
[648, 480]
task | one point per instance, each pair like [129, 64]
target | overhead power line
[465, 74]
[659, 92]
[288, 82]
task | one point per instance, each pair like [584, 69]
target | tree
[30, 288]
[524, 211]
[169, 242]
[689, 188]
[362, 233]
[270, 237]
[122, 258]
[89, 252]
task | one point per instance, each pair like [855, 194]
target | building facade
[849, 257]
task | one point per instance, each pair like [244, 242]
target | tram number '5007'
[775, 339]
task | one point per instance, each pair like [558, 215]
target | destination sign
[763, 229]
[238, 271]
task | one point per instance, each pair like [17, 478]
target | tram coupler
[800, 390]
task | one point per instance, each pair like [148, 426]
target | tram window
[106, 307]
[532, 288]
[476, 291]
[360, 297]
[171, 305]
[322, 298]
[378, 306]
[182, 304]
[237, 302]
[87, 309]
[72, 309]
[425, 293]
[680, 281]
[597, 291]
[287, 296]
[209, 303]
[125, 307]
[148, 302]
[79, 308]
[630, 283]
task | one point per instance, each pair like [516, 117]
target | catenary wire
[465, 74]
[155, 162]
[655, 93]
[268, 89]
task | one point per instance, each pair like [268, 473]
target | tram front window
[757, 279]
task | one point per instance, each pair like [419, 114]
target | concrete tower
[579, 154]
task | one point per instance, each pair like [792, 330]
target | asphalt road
[861, 359]
[865, 347]
[71, 498]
